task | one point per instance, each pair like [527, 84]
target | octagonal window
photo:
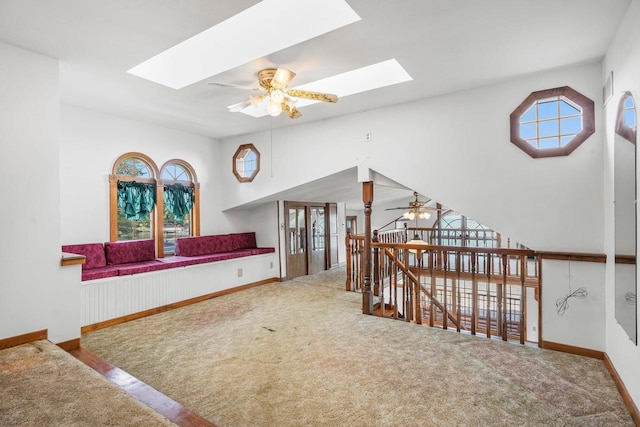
[552, 122]
[246, 163]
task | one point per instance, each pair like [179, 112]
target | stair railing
[480, 290]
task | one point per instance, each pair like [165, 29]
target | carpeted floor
[300, 353]
[42, 385]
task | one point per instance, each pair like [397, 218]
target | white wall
[34, 292]
[456, 150]
[90, 144]
[623, 58]
[583, 322]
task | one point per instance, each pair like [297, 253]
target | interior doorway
[310, 237]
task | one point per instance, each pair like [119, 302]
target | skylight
[360, 80]
[244, 37]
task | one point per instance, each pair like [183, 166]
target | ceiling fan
[275, 95]
[416, 209]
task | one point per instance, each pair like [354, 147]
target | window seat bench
[138, 256]
[122, 281]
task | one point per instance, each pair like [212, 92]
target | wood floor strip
[146, 394]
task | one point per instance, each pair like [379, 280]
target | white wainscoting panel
[113, 297]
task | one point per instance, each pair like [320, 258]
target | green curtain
[178, 200]
[136, 199]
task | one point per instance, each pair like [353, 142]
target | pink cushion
[178, 261]
[93, 252]
[130, 251]
[203, 245]
[258, 251]
[141, 267]
[99, 273]
[244, 240]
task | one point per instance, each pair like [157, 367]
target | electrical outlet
[239, 272]
[367, 137]
[271, 264]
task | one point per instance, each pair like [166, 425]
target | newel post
[367, 198]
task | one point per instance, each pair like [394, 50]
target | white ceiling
[445, 45]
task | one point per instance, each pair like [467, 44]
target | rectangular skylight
[360, 80]
[258, 31]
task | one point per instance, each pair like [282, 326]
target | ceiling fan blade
[316, 96]
[282, 78]
[236, 108]
[231, 85]
[393, 209]
[291, 111]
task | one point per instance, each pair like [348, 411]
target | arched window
[458, 230]
[626, 120]
[133, 197]
[180, 200]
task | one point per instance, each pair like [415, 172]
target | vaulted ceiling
[445, 45]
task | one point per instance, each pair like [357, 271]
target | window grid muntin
[133, 167]
[246, 163]
[547, 140]
[176, 171]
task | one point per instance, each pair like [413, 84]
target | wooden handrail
[426, 247]
[414, 279]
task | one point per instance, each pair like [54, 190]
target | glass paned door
[296, 241]
[317, 257]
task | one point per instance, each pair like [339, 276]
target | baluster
[456, 290]
[523, 297]
[384, 266]
[360, 266]
[488, 298]
[432, 306]
[504, 308]
[348, 245]
[376, 265]
[417, 310]
[474, 292]
[445, 313]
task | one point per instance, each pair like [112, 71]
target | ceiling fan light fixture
[277, 96]
[416, 241]
[424, 215]
[274, 109]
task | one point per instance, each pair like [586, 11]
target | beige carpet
[300, 353]
[42, 385]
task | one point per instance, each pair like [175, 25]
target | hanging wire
[271, 146]
[562, 304]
